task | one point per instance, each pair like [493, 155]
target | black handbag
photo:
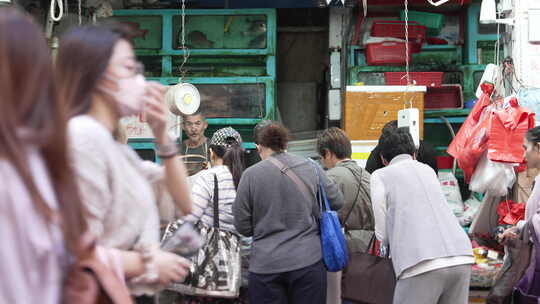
[369, 279]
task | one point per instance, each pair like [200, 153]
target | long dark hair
[234, 158]
[28, 102]
[83, 57]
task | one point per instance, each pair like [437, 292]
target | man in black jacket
[426, 153]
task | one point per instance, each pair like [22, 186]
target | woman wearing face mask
[101, 81]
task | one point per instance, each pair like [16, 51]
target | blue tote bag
[334, 246]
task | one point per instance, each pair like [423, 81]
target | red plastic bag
[510, 212]
[471, 140]
[507, 132]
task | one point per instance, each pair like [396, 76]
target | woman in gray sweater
[286, 258]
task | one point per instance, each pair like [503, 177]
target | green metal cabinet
[231, 60]
[479, 37]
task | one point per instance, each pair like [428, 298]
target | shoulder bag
[369, 279]
[215, 269]
[358, 240]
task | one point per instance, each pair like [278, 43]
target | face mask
[129, 95]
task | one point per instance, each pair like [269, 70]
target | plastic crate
[396, 29]
[430, 79]
[387, 53]
[432, 21]
[445, 162]
[444, 97]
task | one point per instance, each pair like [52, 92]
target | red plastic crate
[387, 53]
[430, 79]
[445, 162]
[396, 29]
[444, 97]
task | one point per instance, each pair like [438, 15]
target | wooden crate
[369, 108]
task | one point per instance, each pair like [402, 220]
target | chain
[407, 74]
[184, 48]
[407, 42]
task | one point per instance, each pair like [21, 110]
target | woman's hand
[156, 111]
[171, 267]
[509, 234]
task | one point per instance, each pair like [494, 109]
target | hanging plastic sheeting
[498, 128]
[471, 140]
[530, 99]
[492, 177]
[507, 132]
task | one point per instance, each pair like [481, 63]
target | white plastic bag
[492, 177]
[450, 188]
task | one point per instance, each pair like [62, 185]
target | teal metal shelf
[165, 46]
[474, 35]
[446, 113]
[224, 55]
[453, 116]
[440, 120]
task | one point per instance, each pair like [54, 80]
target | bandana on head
[220, 137]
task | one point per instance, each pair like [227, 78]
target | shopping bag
[215, 269]
[459, 143]
[334, 246]
[507, 132]
[369, 278]
[472, 138]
